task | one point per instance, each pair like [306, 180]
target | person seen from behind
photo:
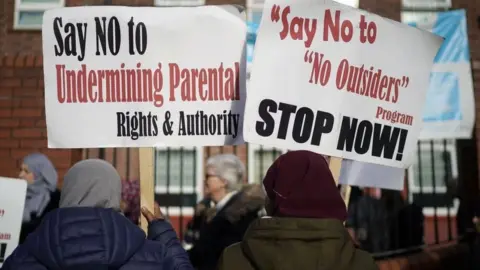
[304, 227]
[235, 207]
[42, 193]
[88, 231]
[368, 222]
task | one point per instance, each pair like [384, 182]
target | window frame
[451, 147]
[426, 4]
[34, 7]
[183, 3]
[175, 189]
[252, 148]
[427, 16]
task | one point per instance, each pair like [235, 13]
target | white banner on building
[339, 81]
[144, 76]
[12, 201]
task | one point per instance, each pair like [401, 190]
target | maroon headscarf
[300, 184]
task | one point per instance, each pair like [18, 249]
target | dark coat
[296, 244]
[203, 210]
[95, 238]
[32, 225]
[368, 217]
[227, 227]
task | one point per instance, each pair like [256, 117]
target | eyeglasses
[207, 176]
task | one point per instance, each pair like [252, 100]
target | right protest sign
[338, 81]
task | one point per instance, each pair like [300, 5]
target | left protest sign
[340, 82]
[144, 76]
[12, 202]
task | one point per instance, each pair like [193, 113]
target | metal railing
[180, 174]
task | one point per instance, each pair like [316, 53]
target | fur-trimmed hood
[250, 198]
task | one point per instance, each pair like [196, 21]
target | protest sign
[362, 174]
[450, 105]
[348, 172]
[12, 202]
[338, 81]
[143, 76]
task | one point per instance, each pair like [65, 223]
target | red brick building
[22, 114]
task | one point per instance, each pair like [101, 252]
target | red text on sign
[368, 31]
[298, 28]
[369, 82]
[205, 84]
[335, 28]
[128, 85]
[111, 85]
[321, 68]
[5, 236]
[394, 116]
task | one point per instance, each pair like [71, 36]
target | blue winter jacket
[94, 239]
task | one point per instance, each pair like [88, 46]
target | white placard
[144, 76]
[362, 174]
[338, 81]
[12, 201]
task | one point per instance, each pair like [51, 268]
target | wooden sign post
[335, 165]
[147, 182]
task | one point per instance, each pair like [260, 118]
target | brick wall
[13, 42]
[22, 115]
[386, 8]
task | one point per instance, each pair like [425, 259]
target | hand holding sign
[157, 213]
[358, 97]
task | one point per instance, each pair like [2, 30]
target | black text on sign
[3, 249]
[308, 125]
[364, 136]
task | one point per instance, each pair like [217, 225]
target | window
[166, 3]
[259, 160]
[176, 174]
[426, 4]
[29, 13]
[434, 168]
[424, 19]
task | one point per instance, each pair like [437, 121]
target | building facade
[180, 171]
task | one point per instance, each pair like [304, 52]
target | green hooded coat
[296, 244]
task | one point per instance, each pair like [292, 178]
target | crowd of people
[295, 219]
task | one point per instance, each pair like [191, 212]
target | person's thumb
[147, 214]
[157, 211]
